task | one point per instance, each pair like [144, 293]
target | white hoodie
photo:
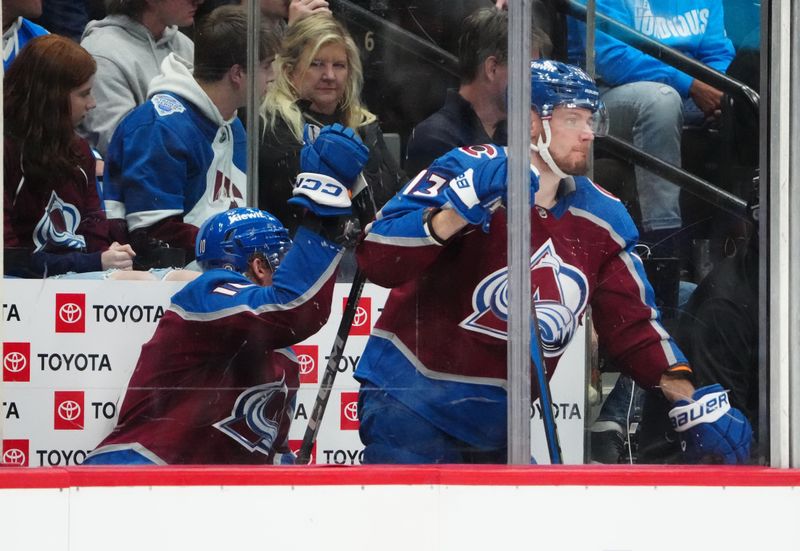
[128, 58]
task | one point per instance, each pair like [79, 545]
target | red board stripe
[452, 475]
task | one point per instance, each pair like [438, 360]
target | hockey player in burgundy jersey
[217, 383]
[433, 372]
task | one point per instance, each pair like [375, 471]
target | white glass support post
[253, 101]
[591, 10]
[519, 231]
[794, 238]
[780, 296]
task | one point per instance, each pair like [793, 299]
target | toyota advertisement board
[69, 348]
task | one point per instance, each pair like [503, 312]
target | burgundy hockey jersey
[60, 220]
[215, 384]
[441, 339]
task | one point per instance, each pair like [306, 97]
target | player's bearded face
[571, 138]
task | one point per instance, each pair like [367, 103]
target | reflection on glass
[413, 80]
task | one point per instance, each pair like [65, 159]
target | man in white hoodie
[180, 157]
[129, 45]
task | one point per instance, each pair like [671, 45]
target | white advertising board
[69, 347]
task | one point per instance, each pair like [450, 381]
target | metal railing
[622, 149]
[630, 153]
[664, 53]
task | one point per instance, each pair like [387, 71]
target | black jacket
[279, 164]
[454, 125]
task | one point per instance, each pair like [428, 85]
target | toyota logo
[14, 457]
[296, 451]
[14, 362]
[306, 363]
[70, 313]
[360, 318]
[351, 411]
[69, 410]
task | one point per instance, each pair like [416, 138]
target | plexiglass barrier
[378, 136]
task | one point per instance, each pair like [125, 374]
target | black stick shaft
[331, 369]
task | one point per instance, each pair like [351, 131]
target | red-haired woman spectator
[51, 209]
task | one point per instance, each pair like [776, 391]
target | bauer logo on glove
[710, 429]
[707, 409]
[477, 192]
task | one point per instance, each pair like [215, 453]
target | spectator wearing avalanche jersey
[649, 101]
[53, 223]
[179, 158]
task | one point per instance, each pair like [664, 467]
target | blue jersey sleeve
[398, 245]
[293, 308]
[146, 170]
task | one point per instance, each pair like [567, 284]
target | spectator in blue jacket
[179, 158]
[649, 101]
[18, 30]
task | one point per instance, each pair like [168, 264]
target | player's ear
[259, 271]
[536, 125]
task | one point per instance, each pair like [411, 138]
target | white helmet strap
[543, 148]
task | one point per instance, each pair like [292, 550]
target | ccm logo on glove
[707, 409]
[319, 183]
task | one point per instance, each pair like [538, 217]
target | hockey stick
[545, 397]
[365, 206]
[331, 369]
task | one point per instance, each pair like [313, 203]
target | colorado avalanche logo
[256, 416]
[58, 226]
[560, 293]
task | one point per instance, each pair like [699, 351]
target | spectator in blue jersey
[318, 81]
[53, 221]
[649, 102]
[17, 27]
[476, 112]
[180, 157]
[217, 382]
[129, 45]
[433, 373]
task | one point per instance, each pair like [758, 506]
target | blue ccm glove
[709, 426]
[329, 167]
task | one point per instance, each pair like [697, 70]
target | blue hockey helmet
[555, 84]
[228, 239]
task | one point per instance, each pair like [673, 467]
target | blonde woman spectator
[318, 82]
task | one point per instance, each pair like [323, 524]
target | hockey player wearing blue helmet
[422, 401]
[216, 383]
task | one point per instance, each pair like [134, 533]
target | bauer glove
[710, 427]
[329, 167]
[480, 190]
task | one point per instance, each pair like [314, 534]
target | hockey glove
[710, 427]
[477, 193]
[329, 167]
